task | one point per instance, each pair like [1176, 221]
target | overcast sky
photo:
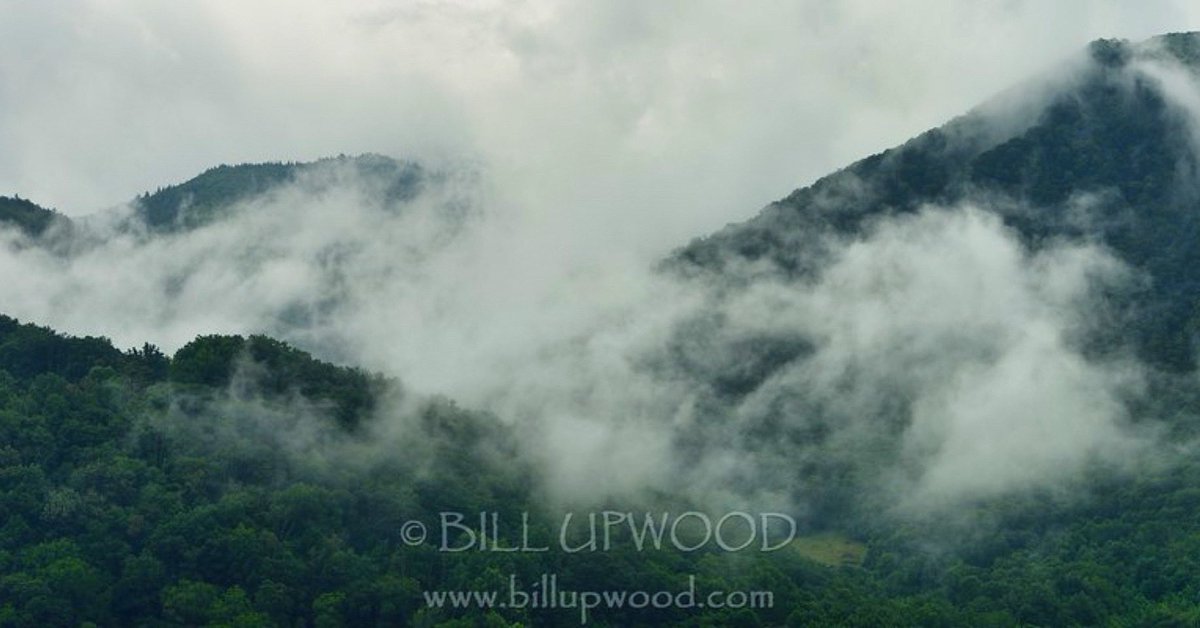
[625, 117]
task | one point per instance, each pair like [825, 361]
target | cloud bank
[934, 357]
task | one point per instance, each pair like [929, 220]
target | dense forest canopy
[208, 196]
[1108, 157]
[28, 217]
[134, 493]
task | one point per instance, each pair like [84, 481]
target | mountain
[1102, 151]
[841, 350]
[208, 196]
[242, 481]
[28, 217]
[211, 195]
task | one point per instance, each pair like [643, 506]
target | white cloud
[607, 133]
[642, 123]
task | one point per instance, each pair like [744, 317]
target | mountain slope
[243, 482]
[1110, 154]
[219, 487]
[999, 303]
[27, 216]
[208, 196]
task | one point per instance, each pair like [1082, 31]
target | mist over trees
[966, 366]
[144, 490]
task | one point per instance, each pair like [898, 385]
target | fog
[936, 357]
[940, 358]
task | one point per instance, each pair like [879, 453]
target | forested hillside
[1104, 155]
[213, 193]
[139, 489]
[27, 216]
[966, 366]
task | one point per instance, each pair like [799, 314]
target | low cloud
[940, 361]
[930, 361]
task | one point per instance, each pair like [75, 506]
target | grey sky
[673, 117]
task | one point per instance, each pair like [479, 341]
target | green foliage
[207, 360]
[27, 351]
[30, 218]
[1109, 143]
[198, 200]
[215, 192]
[275, 369]
[113, 516]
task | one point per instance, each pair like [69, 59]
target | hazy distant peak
[1107, 151]
[1180, 47]
[30, 218]
[209, 195]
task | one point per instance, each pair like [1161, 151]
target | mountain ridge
[1111, 141]
[242, 481]
[211, 194]
[205, 197]
[28, 217]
